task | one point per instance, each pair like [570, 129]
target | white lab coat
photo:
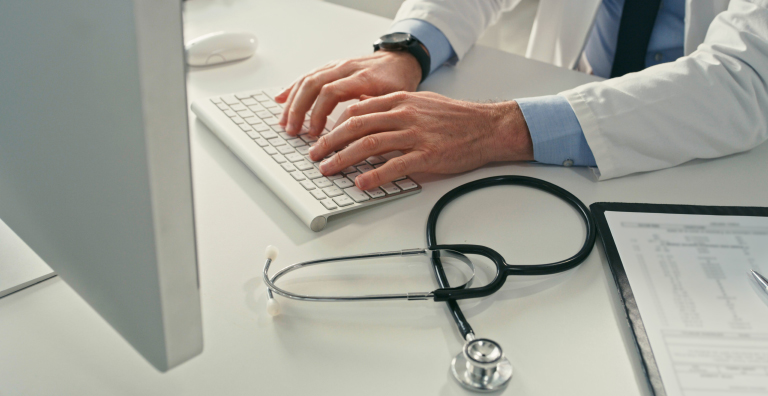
[710, 103]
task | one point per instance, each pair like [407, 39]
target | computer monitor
[95, 162]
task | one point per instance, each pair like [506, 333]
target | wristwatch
[405, 42]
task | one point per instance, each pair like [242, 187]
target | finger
[376, 144]
[282, 96]
[295, 87]
[306, 95]
[395, 168]
[332, 94]
[353, 129]
[371, 105]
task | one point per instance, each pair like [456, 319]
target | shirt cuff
[439, 48]
[555, 131]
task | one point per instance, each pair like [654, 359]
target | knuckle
[410, 112]
[353, 109]
[370, 142]
[344, 63]
[400, 165]
[375, 177]
[310, 81]
[355, 124]
[323, 143]
[400, 96]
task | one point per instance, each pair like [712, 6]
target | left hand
[436, 133]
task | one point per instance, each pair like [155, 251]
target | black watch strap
[415, 48]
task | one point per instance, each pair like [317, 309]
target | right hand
[380, 73]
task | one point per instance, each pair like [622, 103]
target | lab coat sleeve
[461, 21]
[709, 104]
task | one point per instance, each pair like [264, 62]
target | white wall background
[509, 34]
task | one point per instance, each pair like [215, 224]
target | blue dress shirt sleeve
[440, 50]
[555, 131]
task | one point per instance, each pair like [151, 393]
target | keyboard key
[308, 185]
[238, 107]
[270, 150]
[318, 194]
[376, 159]
[245, 127]
[343, 183]
[249, 101]
[308, 138]
[343, 200]
[278, 128]
[298, 176]
[296, 142]
[390, 188]
[271, 121]
[361, 163]
[285, 149]
[349, 169]
[217, 100]
[332, 191]
[375, 193]
[406, 184]
[275, 110]
[352, 176]
[322, 182]
[400, 178]
[230, 113]
[229, 99]
[328, 203]
[312, 174]
[279, 159]
[244, 95]
[261, 98]
[263, 114]
[237, 120]
[294, 157]
[285, 135]
[277, 142]
[270, 105]
[268, 134]
[253, 135]
[357, 194]
[288, 167]
[244, 113]
[304, 150]
[262, 142]
[253, 121]
[260, 127]
[334, 177]
[256, 107]
[304, 165]
[364, 168]
[222, 106]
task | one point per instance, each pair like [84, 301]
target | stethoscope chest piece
[482, 366]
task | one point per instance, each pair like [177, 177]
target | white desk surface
[565, 334]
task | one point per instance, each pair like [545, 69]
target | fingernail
[324, 166]
[361, 184]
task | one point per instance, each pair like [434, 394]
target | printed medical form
[707, 326]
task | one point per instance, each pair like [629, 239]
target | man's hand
[377, 74]
[437, 135]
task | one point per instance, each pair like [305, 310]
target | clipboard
[626, 295]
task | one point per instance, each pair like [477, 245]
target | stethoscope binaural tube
[450, 295]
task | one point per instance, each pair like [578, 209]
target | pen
[762, 284]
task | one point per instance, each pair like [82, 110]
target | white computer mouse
[219, 47]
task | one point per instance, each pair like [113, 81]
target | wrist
[511, 133]
[408, 67]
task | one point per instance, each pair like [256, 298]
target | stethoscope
[482, 364]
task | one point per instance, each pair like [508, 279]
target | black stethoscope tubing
[450, 295]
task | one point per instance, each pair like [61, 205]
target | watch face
[395, 38]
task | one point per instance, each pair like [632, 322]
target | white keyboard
[248, 124]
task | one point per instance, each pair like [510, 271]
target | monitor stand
[20, 266]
